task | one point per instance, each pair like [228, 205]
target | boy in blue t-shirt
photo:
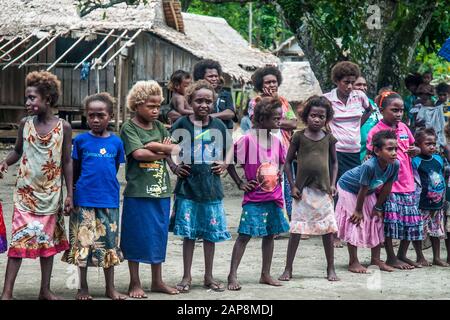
[430, 167]
[94, 226]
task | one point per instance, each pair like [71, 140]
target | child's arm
[14, 155]
[165, 147]
[384, 193]
[296, 193]
[181, 105]
[76, 170]
[181, 171]
[357, 216]
[147, 155]
[334, 168]
[244, 186]
[67, 166]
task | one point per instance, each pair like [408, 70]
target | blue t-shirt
[97, 186]
[368, 174]
[431, 172]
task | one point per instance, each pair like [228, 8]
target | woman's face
[270, 84]
[345, 85]
[212, 76]
[360, 84]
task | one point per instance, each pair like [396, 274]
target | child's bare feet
[382, 265]
[233, 283]
[286, 276]
[7, 296]
[135, 291]
[398, 264]
[440, 263]
[113, 294]
[337, 243]
[331, 275]
[410, 262]
[47, 294]
[213, 285]
[356, 267]
[267, 279]
[83, 294]
[163, 288]
[424, 262]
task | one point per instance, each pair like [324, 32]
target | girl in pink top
[402, 219]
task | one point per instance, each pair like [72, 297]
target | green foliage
[431, 61]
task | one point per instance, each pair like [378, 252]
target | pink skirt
[370, 232]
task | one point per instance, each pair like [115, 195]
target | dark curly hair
[344, 69]
[379, 138]
[201, 66]
[46, 84]
[200, 84]
[413, 79]
[104, 97]
[442, 88]
[385, 98]
[259, 74]
[177, 78]
[316, 101]
[422, 133]
[264, 109]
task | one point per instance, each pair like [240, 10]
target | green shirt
[145, 179]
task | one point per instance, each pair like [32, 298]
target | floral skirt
[313, 214]
[3, 243]
[433, 223]
[36, 236]
[94, 238]
[260, 219]
[205, 220]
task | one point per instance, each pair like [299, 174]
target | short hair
[259, 74]
[379, 138]
[141, 92]
[264, 109]
[201, 66]
[177, 78]
[344, 69]
[316, 101]
[421, 133]
[46, 84]
[425, 88]
[198, 85]
[413, 79]
[384, 99]
[104, 97]
[442, 88]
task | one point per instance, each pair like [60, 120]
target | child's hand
[413, 151]
[377, 214]
[248, 186]
[68, 206]
[3, 168]
[296, 194]
[182, 170]
[333, 191]
[356, 218]
[219, 167]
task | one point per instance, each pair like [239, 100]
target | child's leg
[353, 264]
[188, 252]
[267, 254]
[236, 256]
[46, 274]
[158, 284]
[436, 245]
[376, 259]
[12, 269]
[392, 259]
[83, 292]
[209, 281]
[420, 260]
[327, 240]
[447, 246]
[403, 250]
[294, 240]
[135, 289]
[111, 291]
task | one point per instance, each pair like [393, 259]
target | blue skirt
[204, 220]
[145, 229]
[260, 219]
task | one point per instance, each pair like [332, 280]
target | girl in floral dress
[43, 147]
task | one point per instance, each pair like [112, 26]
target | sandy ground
[309, 275]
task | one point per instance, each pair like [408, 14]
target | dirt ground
[309, 274]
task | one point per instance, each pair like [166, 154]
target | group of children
[380, 200]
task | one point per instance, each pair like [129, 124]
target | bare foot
[163, 288]
[7, 296]
[213, 284]
[398, 264]
[267, 279]
[83, 294]
[135, 291]
[286, 276]
[184, 286]
[233, 283]
[440, 263]
[331, 275]
[337, 243]
[382, 265]
[424, 262]
[48, 295]
[356, 267]
[113, 294]
[410, 262]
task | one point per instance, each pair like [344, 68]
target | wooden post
[125, 84]
[119, 93]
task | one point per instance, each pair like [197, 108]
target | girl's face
[388, 152]
[149, 110]
[317, 118]
[181, 88]
[393, 113]
[428, 145]
[345, 85]
[212, 76]
[34, 103]
[273, 122]
[443, 97]
[202, 102]
[270, 83]
[98, 116]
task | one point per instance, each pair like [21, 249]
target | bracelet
[378, 208]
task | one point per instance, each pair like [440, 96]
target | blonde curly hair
[141, 92]
[46, 84]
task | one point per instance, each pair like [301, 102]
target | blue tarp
[445, 50]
